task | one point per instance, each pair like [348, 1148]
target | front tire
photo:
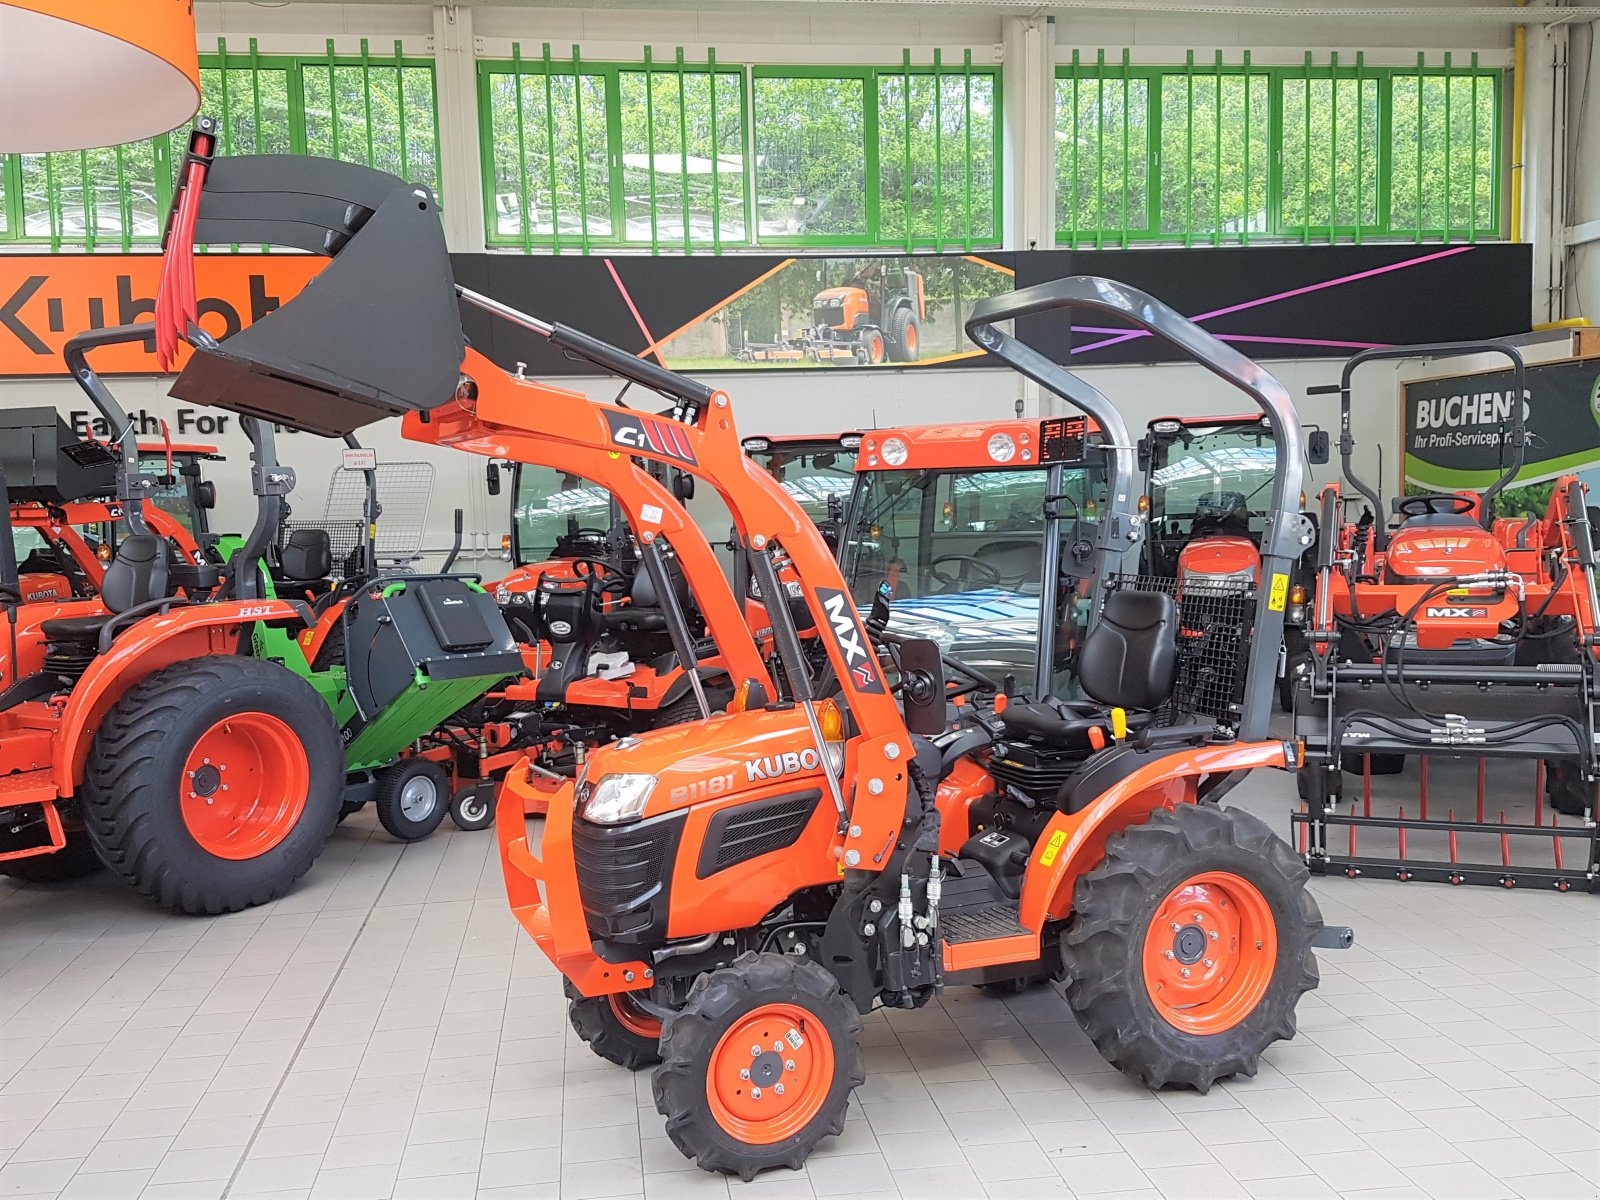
[734, 1101]
[471, 810]
[1190, 945]
[213, 784]
[412, 798]
[615, 1028]
[905, 336]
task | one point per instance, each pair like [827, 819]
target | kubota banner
[46, 299]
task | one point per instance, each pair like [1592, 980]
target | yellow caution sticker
[1280, 592]
[1052, 848]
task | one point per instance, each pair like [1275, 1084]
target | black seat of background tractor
[136, 576]
[306, 558]
[1130, 656]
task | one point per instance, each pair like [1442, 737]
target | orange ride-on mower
[1454, 634]
[727, 896]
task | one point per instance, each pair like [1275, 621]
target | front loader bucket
[377, 334]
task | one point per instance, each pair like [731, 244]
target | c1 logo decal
[636, 431]
[851, 639]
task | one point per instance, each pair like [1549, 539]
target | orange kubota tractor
[726, 897]
[1454, 632]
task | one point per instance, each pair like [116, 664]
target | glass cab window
[962, 553]
[1208, 482]
[552, 511]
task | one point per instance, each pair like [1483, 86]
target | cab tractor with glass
[1207, 483]
[818, 471]
[949, 524]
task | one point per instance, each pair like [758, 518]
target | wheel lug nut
[1170, 954]
[755, 1093]
[777, 1047]
[778, 1088]
[1198, 918]
[755, 1051]
[1213, 935]
[1206, 961]
[789, 1065]
[1176, 927]
[1185, 972]
[744, 1073]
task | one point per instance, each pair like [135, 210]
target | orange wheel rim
[911, 339]
[244, 785]
[1209, 953]
[770, 1074]
[633, 1018]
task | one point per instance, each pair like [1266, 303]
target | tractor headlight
[895, 451]
[502, 594]
[617, 799]
[1002, 448]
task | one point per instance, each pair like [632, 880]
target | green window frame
[768, 180]
[931, 142]
[1216, 153]
[684, 187]
[376, 109]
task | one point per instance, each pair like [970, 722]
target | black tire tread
[1105, 935]
[386, 801]
[132, 741]
[689, 1036]
[597, 1025]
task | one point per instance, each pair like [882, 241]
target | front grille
[747, 831]
[1215, 625]
[623, 872]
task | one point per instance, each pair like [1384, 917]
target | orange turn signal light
[505, 541]
[103, 552]
[1297, 595]
[830, 719]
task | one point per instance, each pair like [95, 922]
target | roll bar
[1518, 437]
[1284, 538]
[131, 482]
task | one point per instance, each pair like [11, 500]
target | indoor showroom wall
[791, 402]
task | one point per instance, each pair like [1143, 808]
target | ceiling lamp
[81, 73]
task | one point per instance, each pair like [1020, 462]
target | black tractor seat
[1129, 660]
[305, 562]
[138, 575]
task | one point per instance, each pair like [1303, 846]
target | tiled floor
[387, 1031]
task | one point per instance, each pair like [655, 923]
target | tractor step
[980, 924]
[27, 787]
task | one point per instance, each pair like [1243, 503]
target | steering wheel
[953, 582]
[1422, 506]
[979, 681]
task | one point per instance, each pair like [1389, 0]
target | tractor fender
[1073, 843]
[143, 649]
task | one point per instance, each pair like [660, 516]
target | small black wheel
[73, 861]
[411, 798]
[758, 1065]
[1382, 764]
[472, 808]
[1569, 794]
[615, 1028]
[1189, 946]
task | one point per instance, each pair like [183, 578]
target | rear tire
[741, 1125]
[412, 798]
[73, 861]
[145, 804]
[905, 336]
[615, 1028]
[1241, 896]
[1569, 794]
[1382, 764]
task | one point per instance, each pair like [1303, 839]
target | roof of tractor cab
[1208, 421]
[762, 443]
[966, 444]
